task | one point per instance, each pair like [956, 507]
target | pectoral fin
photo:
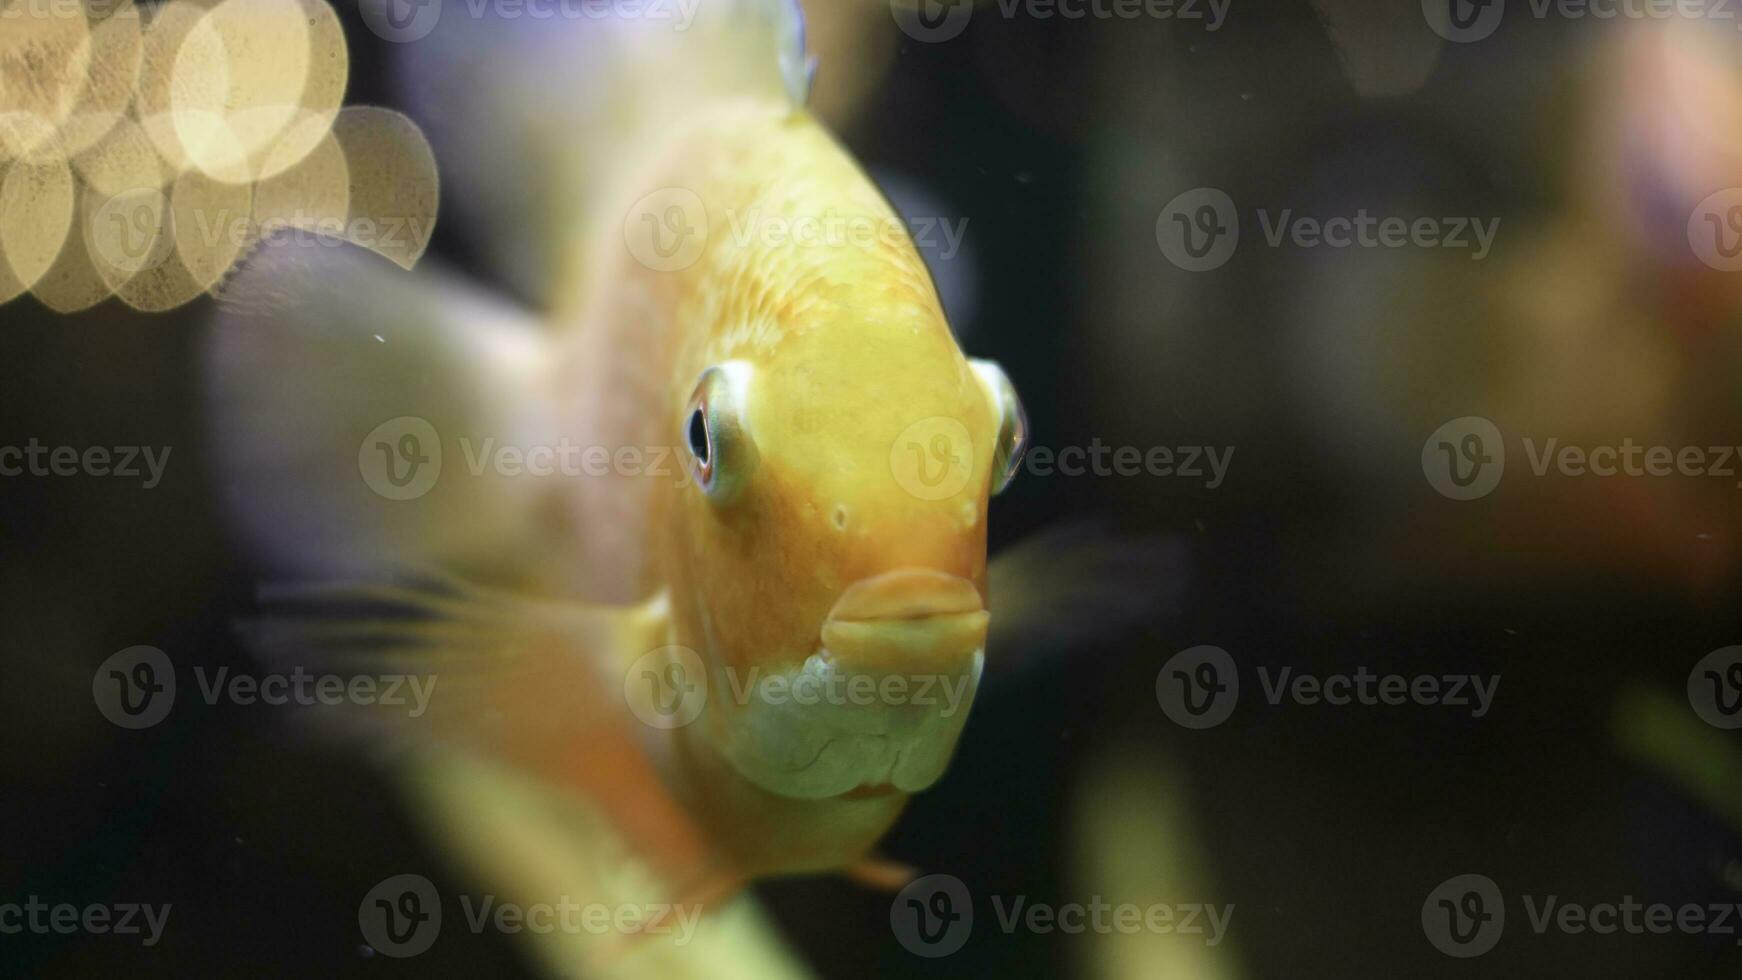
[1076, 583]
[534, 686]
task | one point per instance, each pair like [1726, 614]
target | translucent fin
[534, 682]
[1134, 842]
[533, 849]
[534, 121]
[518, 741]
[1077, 582]
[881, 874]
[1660, 734]
[354, 408]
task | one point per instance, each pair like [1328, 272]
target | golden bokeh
[36, 211]
[144, 150]
[117, 44]
[45, 55]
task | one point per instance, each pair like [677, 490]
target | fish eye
[698, 433]
[1012, 440]
[721, 452]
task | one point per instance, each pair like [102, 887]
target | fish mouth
[906, 621]
[885, 693]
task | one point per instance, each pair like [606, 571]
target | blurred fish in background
[1584, 316]
[1585, 161]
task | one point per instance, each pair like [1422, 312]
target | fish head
[829, 552]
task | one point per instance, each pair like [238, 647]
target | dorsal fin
[533, 119]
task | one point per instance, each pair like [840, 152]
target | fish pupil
[699, 436]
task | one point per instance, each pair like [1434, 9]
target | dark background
[1325, 550]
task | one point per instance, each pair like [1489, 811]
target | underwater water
[1363, 601]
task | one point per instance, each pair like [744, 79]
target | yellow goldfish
[735, 650]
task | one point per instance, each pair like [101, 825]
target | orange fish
[706, 524]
